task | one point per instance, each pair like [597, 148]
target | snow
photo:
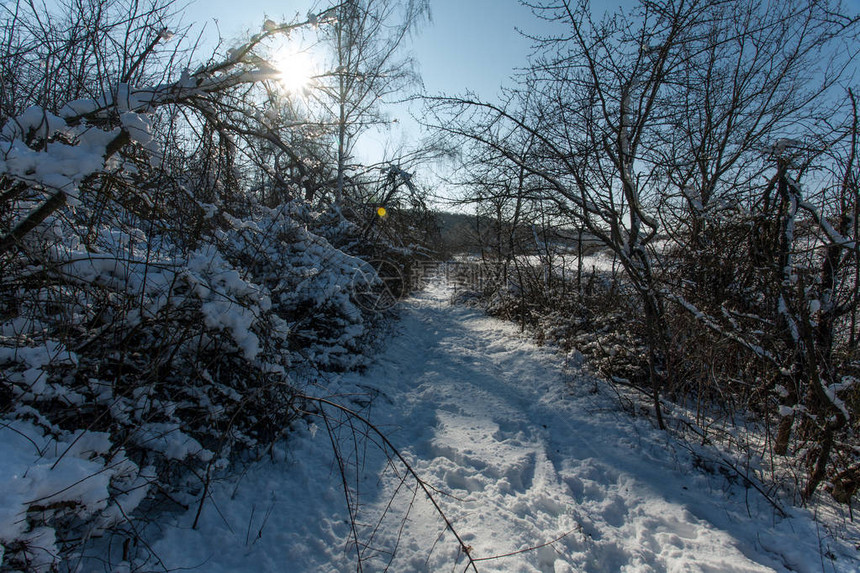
[35, 359]
[168, 439]
[601, 261]
[34, 120]
[46, 475]
[59, 165]
[830, 392]
[139, 129]
[520, 453]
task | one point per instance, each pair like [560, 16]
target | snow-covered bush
[311, 284]
[172, 357]
[61, 480]
[155, 319]
[600, 324]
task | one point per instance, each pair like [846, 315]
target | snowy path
[528, 454]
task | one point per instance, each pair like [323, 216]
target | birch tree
[366, 40]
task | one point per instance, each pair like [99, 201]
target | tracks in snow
[532, 453]
[521, 452]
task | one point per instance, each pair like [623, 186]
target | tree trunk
[657, 333]
[783, 435]
[819, 469]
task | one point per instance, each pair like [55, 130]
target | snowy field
[522, 454]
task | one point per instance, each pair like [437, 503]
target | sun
[295, 69]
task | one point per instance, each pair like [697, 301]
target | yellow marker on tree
[382, 212]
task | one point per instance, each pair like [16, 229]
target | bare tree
[647, 122]
[365, 39]
[600, 88]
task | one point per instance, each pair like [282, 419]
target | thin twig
[409, 468]
[527, 549]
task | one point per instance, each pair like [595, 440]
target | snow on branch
[57, 153]
[832, 234]
[712, 324]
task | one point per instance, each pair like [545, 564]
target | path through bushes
[518, 453]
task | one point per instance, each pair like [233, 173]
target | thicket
[181, 245]
[709, 149]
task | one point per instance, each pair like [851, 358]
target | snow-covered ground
[521, 453]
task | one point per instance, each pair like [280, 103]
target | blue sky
[469, 44]
[473, 44]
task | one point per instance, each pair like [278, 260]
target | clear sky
[469, 44]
